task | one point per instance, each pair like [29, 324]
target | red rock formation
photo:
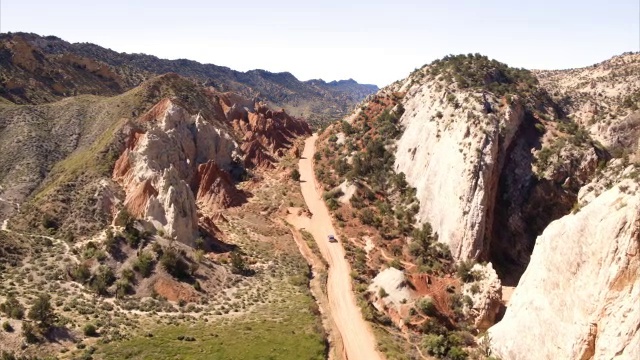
[256, 155]
[173, 290]
[215, 188]
[136, 201]
[266, 134]
[156, 111]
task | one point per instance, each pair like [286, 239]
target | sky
[374, 42]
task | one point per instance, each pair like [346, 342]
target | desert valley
[168, 209]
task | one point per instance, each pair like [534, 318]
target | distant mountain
[40, 69]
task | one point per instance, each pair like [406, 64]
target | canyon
[481, 210]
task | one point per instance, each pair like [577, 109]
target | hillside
[36, 69]
[151, 216]
[470, 161]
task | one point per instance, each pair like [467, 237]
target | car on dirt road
[332, 238]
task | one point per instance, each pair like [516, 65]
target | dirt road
[359, 341]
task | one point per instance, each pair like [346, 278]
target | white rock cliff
[451, 154]
[580, 295]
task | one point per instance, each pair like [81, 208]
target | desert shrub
[395, 263]
[382, 293]
[347, 129]
[127, 274]
[102, 279]
[29, 332]
[333, 204]
[237, 263]
[144, 264]
[7, 327]
[90, 250]
[41, 311]
[335, 193]
[123, 287]
[433, 326]
[174, 264]
[464, 271]
[427, 307]
[110, 242]
[199, 243]
[445, 346]
[12, 307]
[90, 330]
[198, 256]
[295, 175]
[366, 216]
[81, 273]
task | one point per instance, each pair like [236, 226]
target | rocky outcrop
[176, 165]
[486, 295]
[579, 296]
[174, 208]
[451, 154]
[215, 188]
[170, 153]
[266, 134]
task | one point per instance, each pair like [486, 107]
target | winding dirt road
[356, 334]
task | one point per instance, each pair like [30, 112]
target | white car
[332, 238]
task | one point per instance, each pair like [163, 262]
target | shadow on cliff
[524, 205]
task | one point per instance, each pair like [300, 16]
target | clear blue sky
[370, 41]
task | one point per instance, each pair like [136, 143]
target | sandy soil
[358, 339]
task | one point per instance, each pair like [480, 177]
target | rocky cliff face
[173, 159]
[580, 293]
[491, 156]
[451, 154]
[486, 296]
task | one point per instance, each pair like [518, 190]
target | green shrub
[427, 307]
[366, 216]
[199, 243]
[90, 330]
[81, 273]
[110, 242]
[144, 264]
[29, 332]
[123, 287]
[103, 278]
[174, 264]
[7, 327]
[295, 175]
[127, 274]
[465, 273]
[435, 344]
[445, 346]
[12, 307]
[382, 293]
[41, 311]
[237, 263]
